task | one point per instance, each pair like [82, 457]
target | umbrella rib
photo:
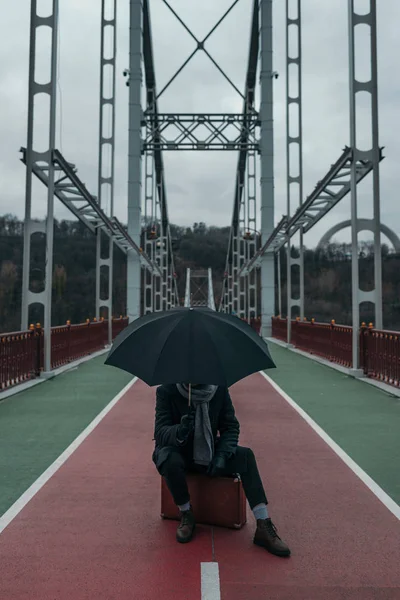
[163, 346]
[237, 324]
[215, 347]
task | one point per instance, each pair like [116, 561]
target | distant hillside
[327, 273]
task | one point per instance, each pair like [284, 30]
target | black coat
[171, 406]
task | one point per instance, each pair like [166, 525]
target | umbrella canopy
[190, 345]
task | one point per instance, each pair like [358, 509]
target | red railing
[21, 353]
[333, 342]
[19, 357]
[70, 342]
[256, 324]
[119, 325]
[380, 355]
[279, 329]
[379, 350]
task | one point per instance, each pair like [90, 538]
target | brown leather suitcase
[218, 501]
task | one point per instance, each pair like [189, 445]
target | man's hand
[217, 466]
[186, 426]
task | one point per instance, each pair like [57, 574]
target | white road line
[210, 587]
[369, 482]
[23, 500]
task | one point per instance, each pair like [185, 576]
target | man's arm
[164, 429]
[166, 433]
[228, 426]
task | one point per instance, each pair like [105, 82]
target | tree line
[327, 274]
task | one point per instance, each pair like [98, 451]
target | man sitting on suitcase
[186, 440]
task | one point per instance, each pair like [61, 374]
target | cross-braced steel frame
[61, 180]
[199, 290]
[240, 289]
[352, 166]
[224, 132]
[45, 159]
[160, 291]
[181, 132]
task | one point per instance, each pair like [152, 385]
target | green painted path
[363, 420]
[37, 425]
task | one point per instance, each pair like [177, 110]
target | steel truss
[205, 131]
[199, 288]
[240, 295]
[351, 168]
[276, 240]
[330, 190]
[70, 190]
[183, 131]
[327, 193]
[62, 181]
[160, 292]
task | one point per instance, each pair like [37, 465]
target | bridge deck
[93, 530]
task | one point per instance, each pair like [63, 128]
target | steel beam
[211, 301]
[240, 203]
[294, 161]
[151, 92]
[134, 155]
[187, 289]
[200, 131]
[248, 106]
[151, 226]
[251, 234]
[330, 190]
[150, 120]
[373, 156]
[267, 165]
[276, 239]
[106, 169]
[72, 192]
[30, 227]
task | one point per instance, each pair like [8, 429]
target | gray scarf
[203, 444]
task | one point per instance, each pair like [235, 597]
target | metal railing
[380, 355]
[379, 350]
[19, 357]
[21, 353]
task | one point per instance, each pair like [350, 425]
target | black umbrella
[190, 345]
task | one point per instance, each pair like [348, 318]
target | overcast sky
[200, 185]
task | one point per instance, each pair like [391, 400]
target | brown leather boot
[267, 537]
[186, 528]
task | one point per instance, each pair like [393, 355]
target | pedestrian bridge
[80, 497]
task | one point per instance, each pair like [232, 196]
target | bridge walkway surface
[80, 497]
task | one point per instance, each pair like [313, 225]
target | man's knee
[174, 461]
[244, 460]
[247, 453]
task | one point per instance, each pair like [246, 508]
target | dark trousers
[244, 463]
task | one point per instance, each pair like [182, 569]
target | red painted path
[94, 532]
